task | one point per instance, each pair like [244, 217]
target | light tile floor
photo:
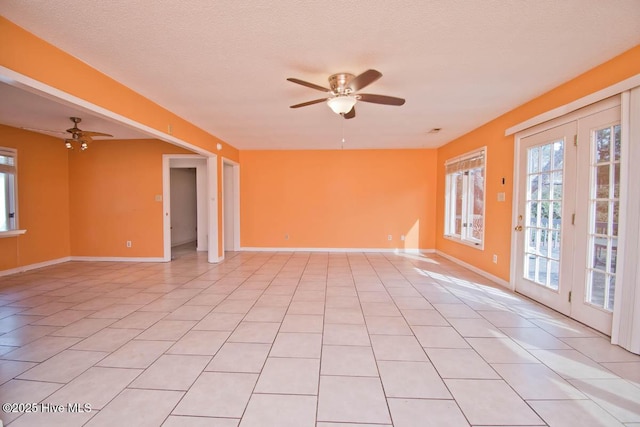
[300, 340]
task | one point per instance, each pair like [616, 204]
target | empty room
[320, 214]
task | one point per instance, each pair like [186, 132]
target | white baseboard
[368, 250]
[117, 259]
[24, 268]
[475, 269]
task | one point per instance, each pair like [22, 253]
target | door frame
[235, 200]
[206, 199]
[573, 116]
[519, 174]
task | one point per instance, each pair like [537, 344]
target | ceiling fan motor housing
[338, 83]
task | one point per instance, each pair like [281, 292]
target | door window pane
[617, 144]
[604, 210]
[616, 180]
[534, 160]
[558, 156]
[603, 139]
[546, 157]
[602, 181]
[598, 282]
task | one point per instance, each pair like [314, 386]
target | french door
[567, 217]
[596, 246]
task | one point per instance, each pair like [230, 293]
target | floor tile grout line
[375, 359]
[290, 256]
[324, 318]
[427, 355]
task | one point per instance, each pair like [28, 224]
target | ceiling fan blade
[307, 84]
[351, 114]
[364, 80]
[43, 130]
[304, 104]
[90, 134]
[380, 99]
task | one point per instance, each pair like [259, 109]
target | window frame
[461, 166]
[13, 226]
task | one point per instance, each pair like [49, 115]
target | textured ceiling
[223, 64]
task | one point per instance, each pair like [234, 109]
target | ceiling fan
[81, 136]
[342, 92]
[78, 135]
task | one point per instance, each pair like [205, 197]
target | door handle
[518, 228]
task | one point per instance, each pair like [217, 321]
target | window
[8, 218]
[464, 204]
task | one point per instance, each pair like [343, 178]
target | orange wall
[112, 188]
[500, 152]
[33, 57]
[43, 200]
[338, 199]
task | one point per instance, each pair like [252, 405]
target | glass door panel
[544, 236]
[543, 221]
[603, 224]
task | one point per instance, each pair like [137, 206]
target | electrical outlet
[286, 237]
[402, 237]
[389, 237]
[495, 258]
[128, 243]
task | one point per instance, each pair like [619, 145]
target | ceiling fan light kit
[341, 104]
[343, 88]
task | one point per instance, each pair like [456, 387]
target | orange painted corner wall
[43, 200]
[500, 162]
[338, 199]
[31, 56]
[113, 187]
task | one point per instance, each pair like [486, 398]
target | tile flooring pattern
[297, 340]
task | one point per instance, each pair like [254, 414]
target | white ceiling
[223, 64]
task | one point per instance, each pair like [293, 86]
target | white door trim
[236, 203]
[563, 110]
[191, 161]
[212, 196]
[626, 313]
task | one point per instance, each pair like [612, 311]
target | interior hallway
[299, 339]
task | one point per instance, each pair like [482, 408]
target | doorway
[568, 198]
[184, 211]
[230, 205]
[181, 170]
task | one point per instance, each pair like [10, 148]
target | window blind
[465, 163]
